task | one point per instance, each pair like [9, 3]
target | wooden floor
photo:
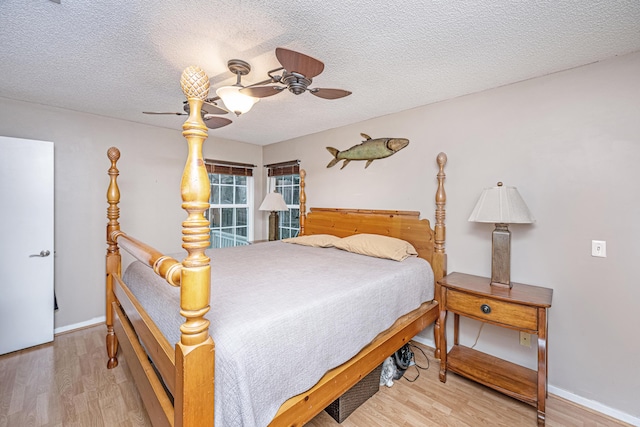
[67, 384]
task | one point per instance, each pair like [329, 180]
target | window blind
[283, 168]
[229, 168]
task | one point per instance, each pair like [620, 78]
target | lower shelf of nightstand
[506, 377]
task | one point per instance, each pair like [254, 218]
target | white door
[26, 245]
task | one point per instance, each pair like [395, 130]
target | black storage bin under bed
[343, 406]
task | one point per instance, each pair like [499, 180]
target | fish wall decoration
[369, 150]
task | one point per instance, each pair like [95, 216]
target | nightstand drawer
[490, 310]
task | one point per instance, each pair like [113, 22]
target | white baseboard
[579, 400]
[85, 324]
[595, 406]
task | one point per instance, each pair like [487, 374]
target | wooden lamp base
[273, 226]
[501, 257]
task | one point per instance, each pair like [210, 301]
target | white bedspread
[282, 315]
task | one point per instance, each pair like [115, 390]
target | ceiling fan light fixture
[234, 100]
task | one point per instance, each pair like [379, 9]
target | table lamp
[273, 202]
[501, 205]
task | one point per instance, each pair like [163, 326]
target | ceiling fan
[208, 112]
[229, 95]
[297, 73]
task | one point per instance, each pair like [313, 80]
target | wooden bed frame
[187, 370]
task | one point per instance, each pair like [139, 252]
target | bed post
[113, 264]
[195, 352]
[439, 256]
[303, 202]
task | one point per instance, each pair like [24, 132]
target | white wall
[570, 142]
[150, 170]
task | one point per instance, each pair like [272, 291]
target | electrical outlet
[525, 339]
[599, 248]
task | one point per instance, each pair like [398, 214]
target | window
[285, 179]
[289, 187]
[229, 203]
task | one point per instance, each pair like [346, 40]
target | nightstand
[522, 307]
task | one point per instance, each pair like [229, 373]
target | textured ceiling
[118, 58]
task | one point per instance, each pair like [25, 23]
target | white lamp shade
[234, 100]
[501, 205]
[273, 202]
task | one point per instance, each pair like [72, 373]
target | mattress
[282, 315]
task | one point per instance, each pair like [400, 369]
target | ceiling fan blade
[214, 122]
[261, 91]
[156, 112]
[295, 62]
[209, 108]
[329, 93]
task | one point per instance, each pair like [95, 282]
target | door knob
[42, 254]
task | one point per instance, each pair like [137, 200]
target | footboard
[156, 401]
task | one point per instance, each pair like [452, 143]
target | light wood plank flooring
[67, 384]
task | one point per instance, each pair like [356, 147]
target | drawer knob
[485, 308]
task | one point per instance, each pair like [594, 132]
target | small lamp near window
[502, 206]
[273, 202]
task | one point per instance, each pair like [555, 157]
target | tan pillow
[315, 240]
[377, 246]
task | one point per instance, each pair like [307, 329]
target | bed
[163, 313]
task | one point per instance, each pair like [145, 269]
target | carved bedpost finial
[442, 160]
[303, 202]
[113, 154]
[195, 83]
[195, 86]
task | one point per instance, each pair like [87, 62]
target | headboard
[405, 225]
